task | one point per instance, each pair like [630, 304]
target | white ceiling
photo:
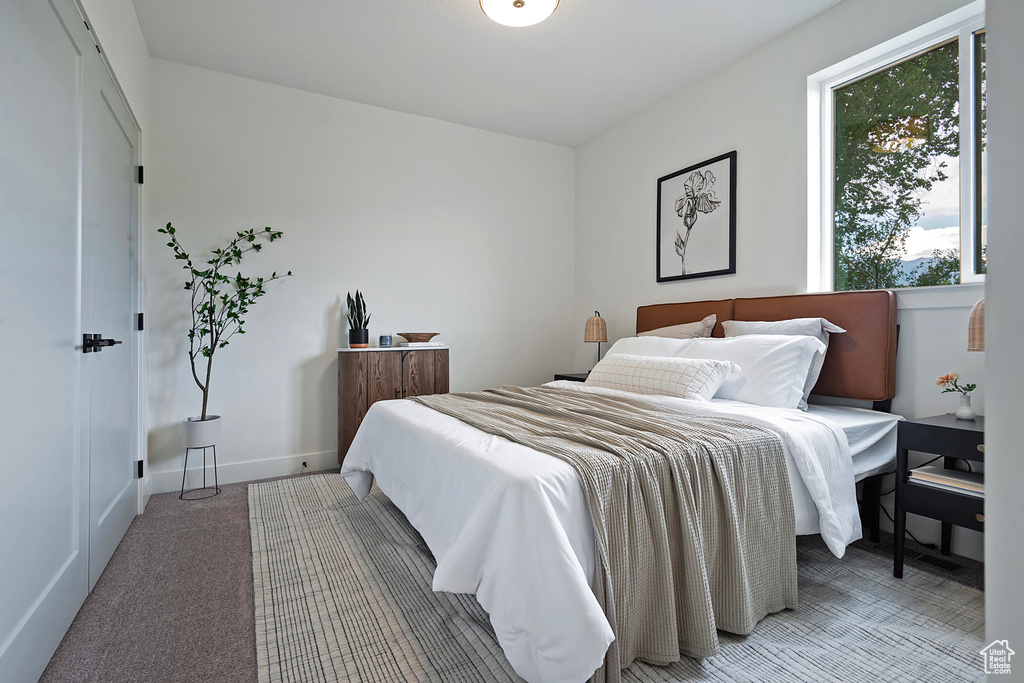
[592, 64]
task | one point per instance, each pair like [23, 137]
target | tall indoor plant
[219, 304]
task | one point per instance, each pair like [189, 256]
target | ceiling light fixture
[518, 13]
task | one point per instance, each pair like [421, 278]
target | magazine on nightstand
[968, 483]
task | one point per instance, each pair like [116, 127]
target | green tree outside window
[896, 133]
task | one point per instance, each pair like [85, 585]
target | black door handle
[94, 342]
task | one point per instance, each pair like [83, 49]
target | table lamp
[596, 331]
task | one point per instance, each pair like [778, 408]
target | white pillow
[647, 346]
[681, 377]
[773, 367]
[701, 328]
[813, 327]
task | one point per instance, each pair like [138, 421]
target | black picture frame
[687, 203]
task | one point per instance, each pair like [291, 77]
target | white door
[49, 78]
[44, 482]
[109, 211]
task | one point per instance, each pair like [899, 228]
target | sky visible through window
[939, 224]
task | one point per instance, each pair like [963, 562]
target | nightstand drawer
[954, 443]
[944, 506]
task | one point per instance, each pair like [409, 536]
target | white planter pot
[197, 433]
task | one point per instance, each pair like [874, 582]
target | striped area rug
[342, 593]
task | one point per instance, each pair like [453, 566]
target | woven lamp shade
[976, 328]
[597, 330]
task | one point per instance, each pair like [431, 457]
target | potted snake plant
[220, 301]
[358, 322]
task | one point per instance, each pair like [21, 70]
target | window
[902, 167]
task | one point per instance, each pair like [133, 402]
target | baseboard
[147, 491]
[229, 473]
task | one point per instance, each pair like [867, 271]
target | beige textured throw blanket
[693, 516]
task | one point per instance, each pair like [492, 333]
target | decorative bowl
[417, 337]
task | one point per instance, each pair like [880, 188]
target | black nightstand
[573, 376]
[947, 436]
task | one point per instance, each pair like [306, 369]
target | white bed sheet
[870, 433]
[511, 524]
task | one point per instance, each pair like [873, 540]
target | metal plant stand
[205, 491]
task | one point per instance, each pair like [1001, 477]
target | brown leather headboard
[663, 315]
[860, 364]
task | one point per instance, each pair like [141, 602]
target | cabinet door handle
[398, 393]
[980, 517]
[981, 447]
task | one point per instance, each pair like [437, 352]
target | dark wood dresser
[366, 376]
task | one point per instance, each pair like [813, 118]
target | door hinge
[141, 324]
[140, 175]
[139, 472]
[93, 36]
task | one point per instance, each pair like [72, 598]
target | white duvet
[511, 524]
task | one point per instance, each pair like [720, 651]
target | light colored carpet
[342, 593]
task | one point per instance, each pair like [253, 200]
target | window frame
[960, 24]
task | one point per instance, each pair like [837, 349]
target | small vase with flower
[951, 384]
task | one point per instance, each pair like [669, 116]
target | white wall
[757, 106]
[444, 228]
[1004, 505]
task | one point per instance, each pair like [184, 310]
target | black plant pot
[358, 339]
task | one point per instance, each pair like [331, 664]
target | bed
[511, 524]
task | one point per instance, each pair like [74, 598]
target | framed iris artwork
[697, 220]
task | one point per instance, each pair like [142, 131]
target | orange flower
[946, 379]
